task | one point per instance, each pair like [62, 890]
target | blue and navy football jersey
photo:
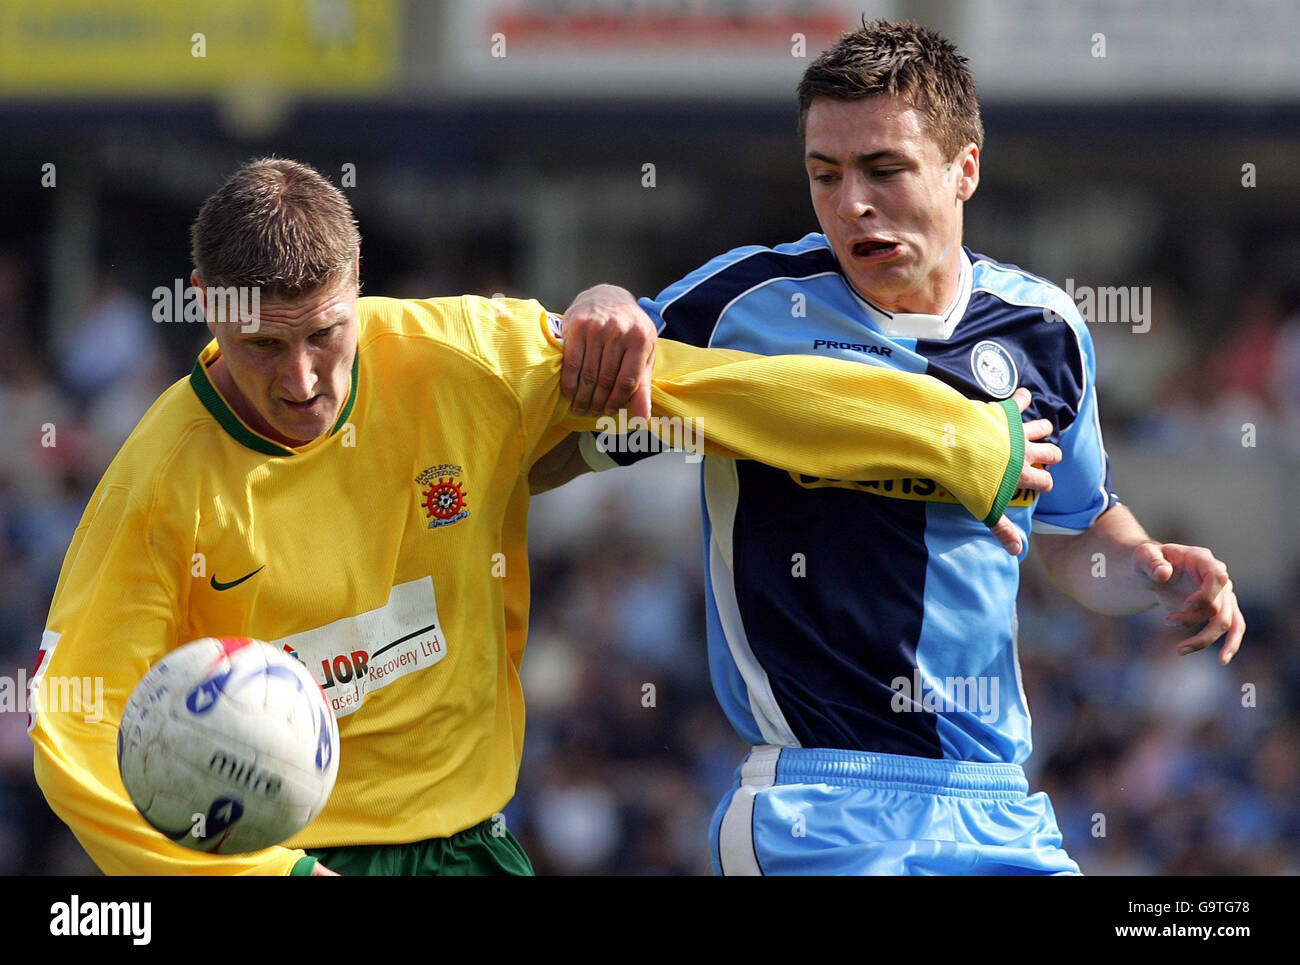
[880, 615]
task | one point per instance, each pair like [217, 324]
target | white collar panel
[940, 327]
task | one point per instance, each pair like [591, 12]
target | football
[228, 745]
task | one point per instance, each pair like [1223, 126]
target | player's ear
[967, 164]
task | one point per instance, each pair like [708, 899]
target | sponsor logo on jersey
[442, 495]
[920, 488]
[355, 655]
[994, 369]
[882, 350]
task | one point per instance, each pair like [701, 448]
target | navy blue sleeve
[1081, 483]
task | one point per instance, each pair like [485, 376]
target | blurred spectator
[115, 340]
[576, 819]
[1247, 355]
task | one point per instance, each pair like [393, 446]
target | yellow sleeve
[824, 417]
[843, 420]
[115, 613]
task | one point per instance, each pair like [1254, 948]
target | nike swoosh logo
[218, 585]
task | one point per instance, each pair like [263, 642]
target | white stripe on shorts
[736, 835]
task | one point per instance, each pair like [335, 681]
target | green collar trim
[226, 418]
[346, 411]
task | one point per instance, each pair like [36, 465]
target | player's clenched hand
[1037, 453]
[1195, 588]
[609, 345]
[319, 870]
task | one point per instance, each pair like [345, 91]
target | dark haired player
[882, 692]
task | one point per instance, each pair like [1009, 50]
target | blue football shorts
[817, 811]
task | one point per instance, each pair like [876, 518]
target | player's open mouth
[302, 406]
[874, 250]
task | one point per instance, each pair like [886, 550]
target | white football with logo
[228, 745]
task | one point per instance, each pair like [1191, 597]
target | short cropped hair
[279, 226]
[916, 64]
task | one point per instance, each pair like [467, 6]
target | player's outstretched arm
[608, 360]
[566, 462]
[843, 420]
[1188, 581]
[822, 417]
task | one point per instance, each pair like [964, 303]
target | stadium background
[1152, 147]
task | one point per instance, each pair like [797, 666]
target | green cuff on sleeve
[303, 867]
[1014, 465]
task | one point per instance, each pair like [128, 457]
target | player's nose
[855, 199]
[298, 379]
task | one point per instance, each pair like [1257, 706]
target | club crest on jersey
[442, 495]
[994, 369]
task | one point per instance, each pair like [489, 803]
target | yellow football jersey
[389, 555]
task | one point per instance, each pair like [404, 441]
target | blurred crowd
[1155, 764]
